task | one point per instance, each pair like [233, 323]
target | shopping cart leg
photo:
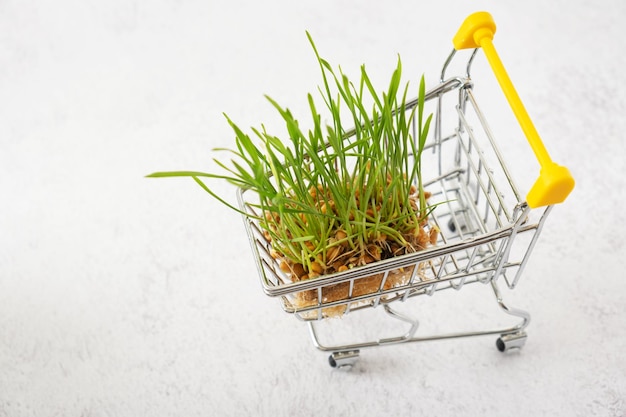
[344, 357]
[514, 338]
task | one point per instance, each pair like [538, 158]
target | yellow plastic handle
[555, 182]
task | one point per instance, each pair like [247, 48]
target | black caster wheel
[343, 360]
[507, 342]
[462, 226]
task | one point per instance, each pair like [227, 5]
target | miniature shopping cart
[481, 216]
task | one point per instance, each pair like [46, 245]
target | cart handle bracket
[555, 182]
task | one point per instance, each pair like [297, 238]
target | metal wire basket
[481, 217]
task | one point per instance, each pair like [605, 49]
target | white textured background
[124, 296]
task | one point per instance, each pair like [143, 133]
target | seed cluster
[338, 251]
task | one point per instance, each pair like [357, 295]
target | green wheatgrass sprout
[333, 198]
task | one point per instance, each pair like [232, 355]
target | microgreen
[327, 188]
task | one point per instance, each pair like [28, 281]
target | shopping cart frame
[480, 214]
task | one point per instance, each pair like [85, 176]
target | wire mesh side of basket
[485, 227]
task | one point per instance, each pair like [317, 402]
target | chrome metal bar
[409, 336]
[473, 142]
[516, 312]
[531, 246]
[509, 242]
[496, 149]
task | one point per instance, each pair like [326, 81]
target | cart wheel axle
[343, 360]
[507, 342]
